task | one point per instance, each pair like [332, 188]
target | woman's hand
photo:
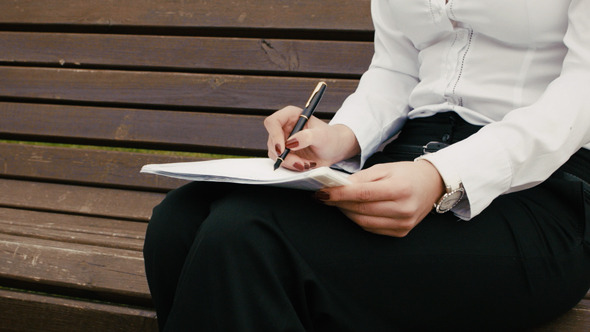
[388, 199]
[319, 144]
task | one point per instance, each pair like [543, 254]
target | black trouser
[223, 257]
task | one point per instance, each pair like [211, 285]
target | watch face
[449, 200]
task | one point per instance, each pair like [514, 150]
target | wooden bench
[92, 90]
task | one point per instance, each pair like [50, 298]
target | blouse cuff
[485, 174]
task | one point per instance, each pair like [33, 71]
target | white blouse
[519, 67]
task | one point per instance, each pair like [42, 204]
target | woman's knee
[240, 222]
[177, 218]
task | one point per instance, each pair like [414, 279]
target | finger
[361, 192]
[278, 125]
[297, 163]
[273, 149]
[300, 140]
[389, 232]
[398, 210]
[309, 136]
[373, 184]
[369, 222]
[382, 226]
[387, 209]
[372, 174]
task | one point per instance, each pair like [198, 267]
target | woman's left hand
[388, 199]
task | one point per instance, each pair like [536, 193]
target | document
[250, 171]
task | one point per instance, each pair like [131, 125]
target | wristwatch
[455, 193]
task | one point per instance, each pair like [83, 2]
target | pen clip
[315, 92]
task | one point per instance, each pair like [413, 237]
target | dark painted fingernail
[278, 149]
[292, 143]
[322, 195]
[298, 166]
[307, 166]
[312, 164]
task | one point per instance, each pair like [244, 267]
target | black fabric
[223, 257]
[447, 128]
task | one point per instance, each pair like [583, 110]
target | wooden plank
[302, 14]
[35, 312]
[106, 273]
[169, 89]
[189, 131]
[577, 319]
[188, 53]
[97, 202]
[86, 166]
[103, 272]
[110, 233]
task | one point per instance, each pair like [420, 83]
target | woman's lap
[519, 262]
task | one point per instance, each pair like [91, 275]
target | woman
[487, 104]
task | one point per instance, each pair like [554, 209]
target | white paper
[250, 171]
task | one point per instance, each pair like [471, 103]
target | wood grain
[99, 232]
[86, 166]
[230, 55]
[79, 200]
[577, 319]
[344, 15]
[164, 89]
[192, 75]
[36, 312]
[106, 272]
[190, 131]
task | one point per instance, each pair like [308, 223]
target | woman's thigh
[520, 262]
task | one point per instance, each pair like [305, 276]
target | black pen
[310, 107]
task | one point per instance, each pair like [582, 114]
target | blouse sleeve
[378, 108]
[532, 142]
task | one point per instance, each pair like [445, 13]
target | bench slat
[107, 273]
[577, 319]
[242, 93]
[188, 53]
[191, 75]
[242, 134]
[86, 166]
[345, 15]
[81, 200]
[34, 312]
[110, 233]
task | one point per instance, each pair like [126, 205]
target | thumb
[371, 174]
[301, 140]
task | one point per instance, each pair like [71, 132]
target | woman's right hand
[318, 144]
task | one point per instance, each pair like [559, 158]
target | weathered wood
[244, 93]
[81, 200]
[35, 312]
[188, 131]
[100, 232]
[293, 57]
[86, 166]
[192, 75]
[342, 15]
[106, 273]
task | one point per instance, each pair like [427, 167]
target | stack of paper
[250, 171]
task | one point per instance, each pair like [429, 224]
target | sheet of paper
[250, 171]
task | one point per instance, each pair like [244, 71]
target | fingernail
[307, 166]
[313, 164]
[322, 195]
[278, 149]
[298, 166]
[292, 143]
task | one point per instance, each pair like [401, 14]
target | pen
[310, 107]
